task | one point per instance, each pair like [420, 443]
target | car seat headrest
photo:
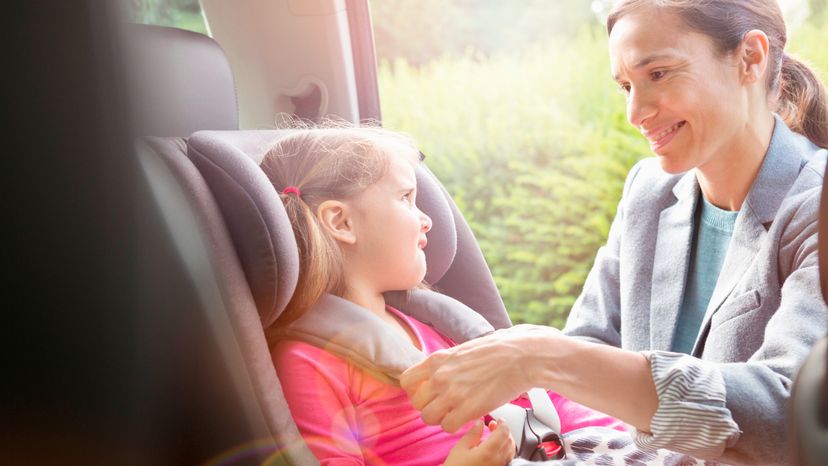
[258, 225]
[442, 239]
[254, 214]
[180, 82]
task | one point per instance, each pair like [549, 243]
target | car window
[183, 14]
[514, 106]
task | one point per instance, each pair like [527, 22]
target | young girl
[350, 195]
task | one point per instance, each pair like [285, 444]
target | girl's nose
[425, 222]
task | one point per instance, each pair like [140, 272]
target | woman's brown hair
[801, 98]
[324, 163]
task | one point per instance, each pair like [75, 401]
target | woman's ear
[754, 56]
[335, 218]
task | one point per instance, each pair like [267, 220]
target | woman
[706, 298]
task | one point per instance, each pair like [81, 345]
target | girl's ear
[754, 56]
[335, 218]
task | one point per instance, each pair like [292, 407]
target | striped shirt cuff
[691, 417]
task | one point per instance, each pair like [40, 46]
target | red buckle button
[551, 448]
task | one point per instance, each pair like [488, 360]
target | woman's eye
[625, 87]
[658, 74]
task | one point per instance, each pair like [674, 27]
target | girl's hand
[497, 450]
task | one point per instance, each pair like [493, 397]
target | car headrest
[180, 82]
[258, 225]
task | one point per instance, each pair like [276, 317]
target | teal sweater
[714, 227]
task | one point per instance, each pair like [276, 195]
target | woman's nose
[640, 108]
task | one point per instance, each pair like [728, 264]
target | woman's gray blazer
[764, 315]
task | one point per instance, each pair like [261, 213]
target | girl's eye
[625, 87]
[657, 74]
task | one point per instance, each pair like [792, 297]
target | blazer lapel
[672, 258]
[748, 234]
[779, 170]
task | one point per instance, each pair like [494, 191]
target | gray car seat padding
[180, 82]
[256, 219]
[238, 301]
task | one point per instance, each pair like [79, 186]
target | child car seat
[243, 221]
[229, 162]
[181, 82]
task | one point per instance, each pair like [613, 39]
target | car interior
[150, 251]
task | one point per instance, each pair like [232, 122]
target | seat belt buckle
[540, 442]
[536, 430]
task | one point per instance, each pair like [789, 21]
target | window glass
[513, 103]
[183, 14]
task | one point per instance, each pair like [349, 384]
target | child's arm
[320, 405]
[497, 450]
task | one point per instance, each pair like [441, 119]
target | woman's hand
[454, 386]
[497, 450]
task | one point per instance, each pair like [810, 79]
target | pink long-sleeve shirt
[348, 417]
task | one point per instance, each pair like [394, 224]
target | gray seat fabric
[180, 82]
[273, 419]
[185, 84]
[255, 218]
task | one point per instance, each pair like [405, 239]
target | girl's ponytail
[803, 102]
[320, 261]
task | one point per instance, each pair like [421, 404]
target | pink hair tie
[292, 189]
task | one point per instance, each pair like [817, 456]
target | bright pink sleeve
[315, 385]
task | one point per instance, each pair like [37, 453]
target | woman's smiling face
[685, 97]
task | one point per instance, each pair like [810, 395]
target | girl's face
[686, 99]
[390, 231]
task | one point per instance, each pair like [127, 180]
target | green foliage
[818, 8]
[534, 147]
[420, 31]
[804, 42]
[184, 14]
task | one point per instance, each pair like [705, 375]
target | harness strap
[359, 336]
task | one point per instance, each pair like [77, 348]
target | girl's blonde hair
[327, 162]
